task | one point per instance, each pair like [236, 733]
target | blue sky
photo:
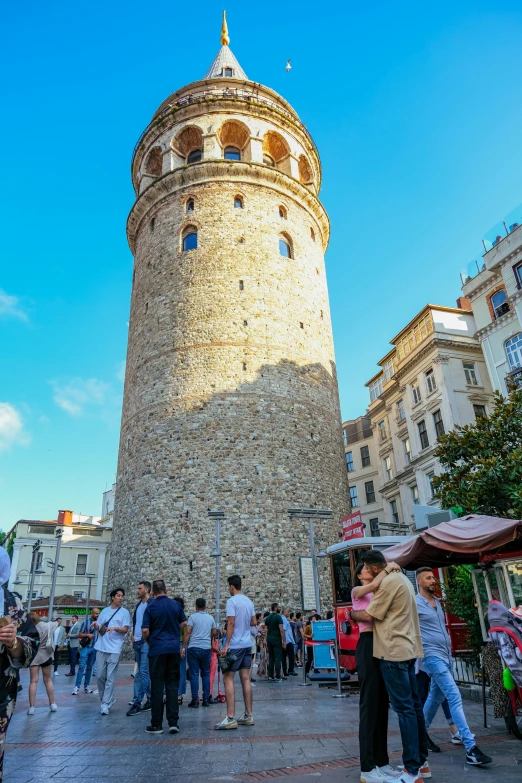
[415, 108]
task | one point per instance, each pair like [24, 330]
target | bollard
[339, 694]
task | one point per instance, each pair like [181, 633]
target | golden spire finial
[225, 40]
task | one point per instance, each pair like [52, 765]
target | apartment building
[363, 473]
[495, 294]
[434, 378]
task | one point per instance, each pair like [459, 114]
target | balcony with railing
[497, 243]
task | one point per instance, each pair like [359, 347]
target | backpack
[49, 642]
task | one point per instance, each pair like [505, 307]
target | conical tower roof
[225, 60]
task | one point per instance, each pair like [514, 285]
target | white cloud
[120, 371]
[11, 427]
[77, 394]
[10, 306]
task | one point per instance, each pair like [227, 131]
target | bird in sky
[288, 66]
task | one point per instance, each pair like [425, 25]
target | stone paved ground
[302, 733]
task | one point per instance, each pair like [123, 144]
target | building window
[81, 565]
[349, 461]
[345, 438]
[375, 389]
[190, 205]
[429, 377]
[190, 239]
[283, 212]
[518, 275]
[228, 72]
[285, 248]
[374, 527]
[312, 234]
[152, 224]
[33, 596]
[479, 411]
[423, 435]
[395, 512]
[241, 285]
[416, 393]
[194, 156]
[514, 351]
[268, 161]
[39, 560]
[353, 497]
[414, 337]
[232, 153]
[365, 456]
[499, 303]
[439, 424]
[471, 373]
[370, 491]
[407, 450]
[388, 370]
[382, 431]
[430, 476]
[78, 593]
[238, 202]
[415, 494]
[387, 468]
[401, 415]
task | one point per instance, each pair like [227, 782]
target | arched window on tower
[238, 202]
[283, 212]
[268, 161]
[189, 238]
[232, 153]
[228, 72]
[194, 156]
[190, 205]
[285, 246]
[154, 162]
[312, 234]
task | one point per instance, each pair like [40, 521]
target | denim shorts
[243, 658]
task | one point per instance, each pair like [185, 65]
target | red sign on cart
[352, 526]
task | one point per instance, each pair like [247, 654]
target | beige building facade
[495, 294]
[434, 378]
[362, 466]
[231, 399]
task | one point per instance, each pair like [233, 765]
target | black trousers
[56, 657]
[164, 676]
[275, 650]
[373, 706]
[309, 658]
[288, 659]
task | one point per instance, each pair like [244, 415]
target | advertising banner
[352, 526]
[307, 583]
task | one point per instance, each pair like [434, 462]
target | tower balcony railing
[233, 94]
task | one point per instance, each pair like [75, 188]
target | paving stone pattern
[302, 733]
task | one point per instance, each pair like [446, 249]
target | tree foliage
[482, 462]
[460, 600]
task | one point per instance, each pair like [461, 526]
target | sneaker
[147, 706]
[432, 747]
[30, 711]
[154, 729]
[284, 677]
[376, 776]
[53, 707]
[425, 771]
[252, 679]
[75, 691]
[476, 758]
[174, 728]
[133, 675]
[193, 703]
[456, 739]
[134, 710]
[293, 674]
[70, 674]
[89, 690]
[245, 720]
[389, 772]
[407, 778]
[94, 692]
[205, 703]
[104, 710]
[226, 723]
[278, 679]
[272, 679]
[56, 674]
[131, 703]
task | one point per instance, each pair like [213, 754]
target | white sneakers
[75, 691]
[53, 707]
[30, 711]
[104, 710]
[389, 772]
[381, 775]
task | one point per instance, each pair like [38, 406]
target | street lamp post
[59, 534]
[90, 577]
[216, 552]
[310, 514]
[34, 571]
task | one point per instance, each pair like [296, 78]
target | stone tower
[231, 398]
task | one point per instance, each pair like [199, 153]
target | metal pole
[59, 534]
[36, 547]
[339, 694]
[89, 578]
[314, 564]
[218, 570]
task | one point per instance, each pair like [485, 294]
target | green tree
[482, 462]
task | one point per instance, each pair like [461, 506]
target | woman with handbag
[43, 660]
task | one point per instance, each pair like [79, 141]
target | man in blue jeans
[141, 653]
[87, 653]
[397, 644]
[438, 665]
[197, 646]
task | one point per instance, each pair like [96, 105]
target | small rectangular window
[471, 373]
[353, 497]
[415, 494]
[370, 491]
[431, 386]
[387, 468]
[395, 512]
[365, 456]
[518, 275]
[439, 424]
[374, 527]
[382, 431]
[407, 450]
[349, 461]
[241, 285]
[423, 435]
[81, 565]
[78, 593]
[415, 393]
[430, 476]
[480, 411]
[401, 415]
[39, 560]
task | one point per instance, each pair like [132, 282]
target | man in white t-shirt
[112, 626]
[237, 653]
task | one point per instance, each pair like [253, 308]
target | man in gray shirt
[437, 663]
[200, 630]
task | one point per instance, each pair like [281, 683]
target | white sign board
[307, 583]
